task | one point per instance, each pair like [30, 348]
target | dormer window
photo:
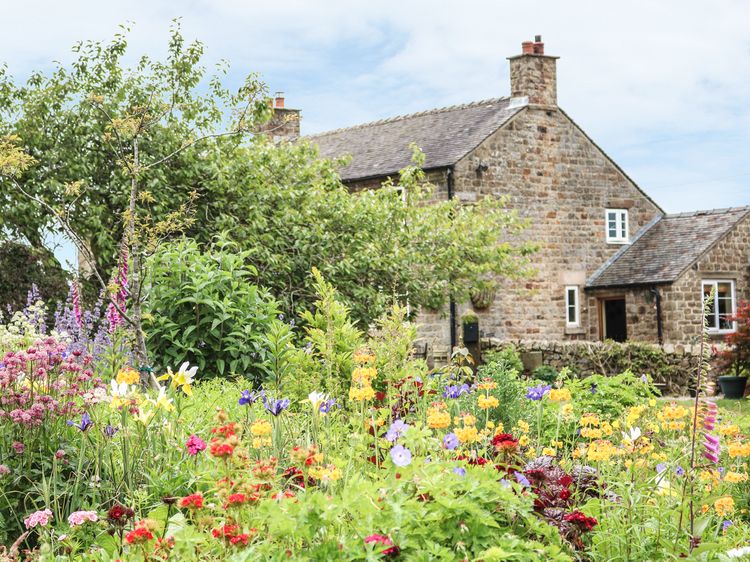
[616, 224]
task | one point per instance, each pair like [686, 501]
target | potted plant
[735, 360]
[470, 323]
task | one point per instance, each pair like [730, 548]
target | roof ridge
[395, 118]
[724, 210]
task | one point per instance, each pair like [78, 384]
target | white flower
[738, 552]
[632, 435]
[187, 372]
[119, 390]
[316, 399]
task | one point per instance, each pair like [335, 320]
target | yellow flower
[491, 425]
[468, 419]
[486, 402]
[361, 394]
[724, 506]
[738, 449]
[499, 429]
[327, 473]
[364, 375]
[183, 378]
[567, 409]
[549, 451]
[523, 440]
[729, 430]
[363, 357]
[589, 420]
[260, 442]
[261, 428]
[487, 384]
[127, 375]
[467, 434]
[523, 426]
[735, 477]
[591, 433]
[438, 418]
[578, 452]
[601, 450]
[560, 395]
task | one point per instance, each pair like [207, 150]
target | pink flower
[195, 445]
[59, 454]
[80, 517]
[4, 470]
[41, 518]
[18, 447]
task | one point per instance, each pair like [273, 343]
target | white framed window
[616, 225]
[723, 308]
[572, 306]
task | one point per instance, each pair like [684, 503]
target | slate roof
[445, 135]
[667, 248]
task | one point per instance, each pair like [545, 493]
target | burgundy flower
[391, 550]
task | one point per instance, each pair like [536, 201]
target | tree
[109, 154]
[736, 358]
[289, 208]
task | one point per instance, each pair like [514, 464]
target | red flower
[566, 480]
[392, 549]
[139, 535]
[222, 450]
[240, 539]
[193, 501]
[225, 531]
[225, 430]
[119, 514]
[579, 518]
[504, 441]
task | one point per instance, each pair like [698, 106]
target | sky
[662, 86]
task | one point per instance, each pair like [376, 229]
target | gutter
[452, 305]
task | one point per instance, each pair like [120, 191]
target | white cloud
[662, 86]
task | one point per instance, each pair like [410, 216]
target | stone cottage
[612, 264]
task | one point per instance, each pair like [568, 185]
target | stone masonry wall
[640, 312]
[682, 301]
[674, 368]
[562, 182]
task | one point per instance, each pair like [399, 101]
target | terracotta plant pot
[732, 387]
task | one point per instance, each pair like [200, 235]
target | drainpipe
[659, 328]
[452, 302]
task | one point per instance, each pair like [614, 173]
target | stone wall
[682, 302]
[640, 312]
[562, 182]
[673, 367]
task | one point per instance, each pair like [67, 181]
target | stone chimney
[533, 74]
[284, 123]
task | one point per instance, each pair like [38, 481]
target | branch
[190, 145]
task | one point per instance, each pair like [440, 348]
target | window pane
[711, 313]
[724, 304]
[571, 298]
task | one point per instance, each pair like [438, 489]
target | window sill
[574, 330]
[620, 242]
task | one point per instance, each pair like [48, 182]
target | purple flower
[450, 441]
[593, 388]
[522, 479]
[85, 422]
[461, 471]
[247, 397]
[661, 467]
[397, 429]
[275, 407]
[400, 455]
[454, 391]
[537, 392]
[504, 483]
[726, 525]
[679, 471]
[327, 405]
[110, 431]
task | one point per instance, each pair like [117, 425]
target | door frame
[603, 317]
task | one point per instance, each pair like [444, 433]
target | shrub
[736, 359]
[202, 308]
[23, 268]
[610, 395]
[508, 357]
[546, 373]
[510, 391]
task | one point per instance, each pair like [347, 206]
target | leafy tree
[736, 358]
[111, 154]
[23, 267]
[289, 208]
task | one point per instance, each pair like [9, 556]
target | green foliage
[510, 390]
[736, 359]
[375, 246]
[507, 358]
[326, 362]
[278, 342]
[392, 343]
[22, 267]
[545, 373]
[203, 308]
[609, 396]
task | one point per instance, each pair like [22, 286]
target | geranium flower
[461, 471]
[392, 549]
[397, 429]
[450, 441]
[400, 455]
[275, 407]
[85, 422]
[538, 392]
[521, 479]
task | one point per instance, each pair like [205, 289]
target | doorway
[613, 319]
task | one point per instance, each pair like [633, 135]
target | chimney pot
[279, 101]
[527, 47]
[537, 38]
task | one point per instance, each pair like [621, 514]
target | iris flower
[537, 392]
[85, 422]
[248, 398]
[275, 407]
